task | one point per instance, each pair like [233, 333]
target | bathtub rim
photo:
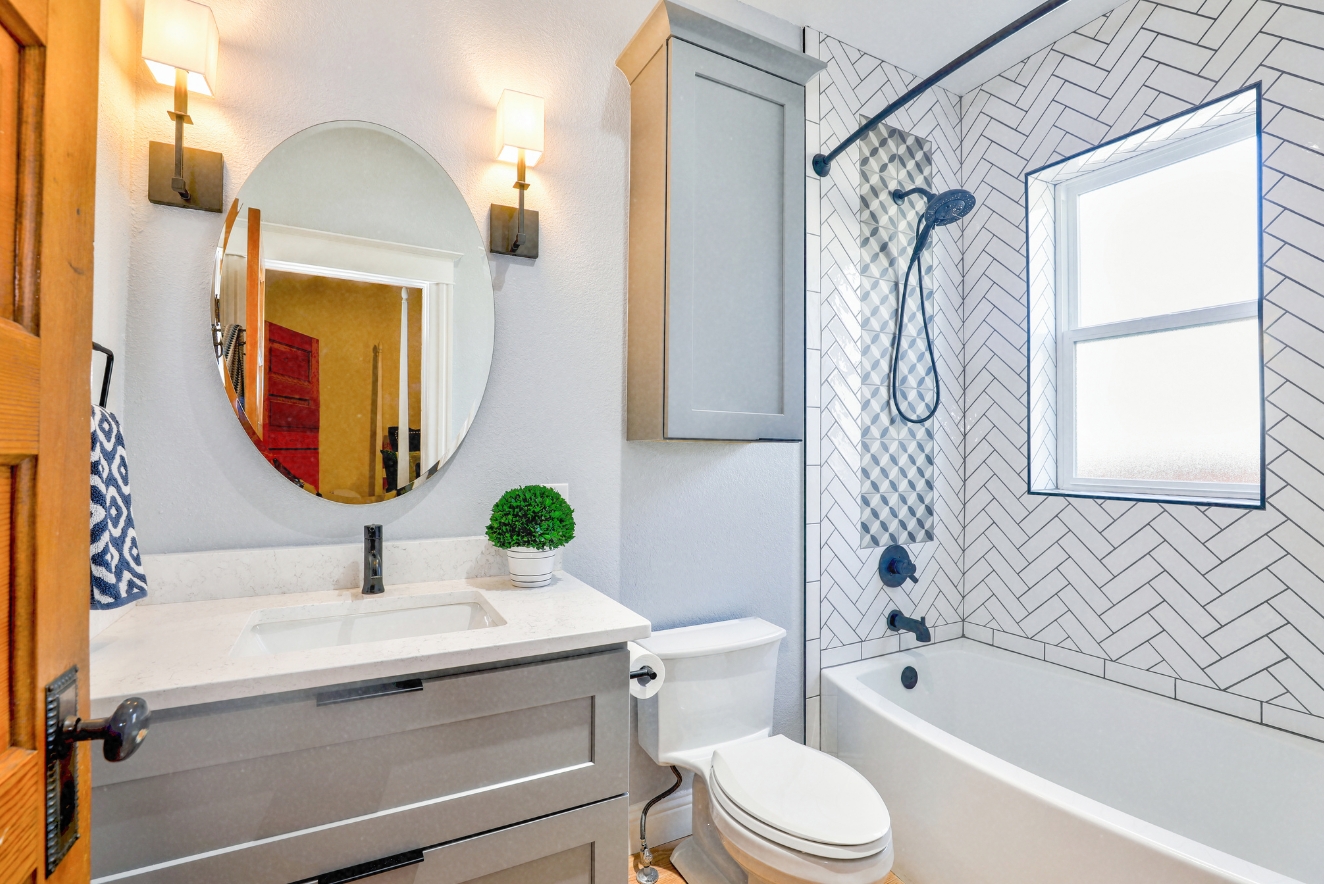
[845, 679]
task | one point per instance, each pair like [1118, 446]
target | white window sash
[1069, 333]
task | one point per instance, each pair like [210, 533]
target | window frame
[1067, 332]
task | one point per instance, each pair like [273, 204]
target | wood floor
[667, 873]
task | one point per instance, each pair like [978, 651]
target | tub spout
[901, 623]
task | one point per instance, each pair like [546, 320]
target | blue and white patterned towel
[117, 565]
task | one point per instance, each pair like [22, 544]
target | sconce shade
[519, 127]
[181, 34]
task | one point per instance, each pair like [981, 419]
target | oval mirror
[352, 312]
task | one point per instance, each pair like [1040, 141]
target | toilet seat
[800, 798]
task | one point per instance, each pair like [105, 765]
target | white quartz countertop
[180, 654]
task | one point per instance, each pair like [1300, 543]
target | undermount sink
[334, 624]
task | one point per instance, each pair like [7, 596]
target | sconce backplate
[503, 221]
[204, 175]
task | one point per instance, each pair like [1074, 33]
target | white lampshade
[519, 127]
[181, 34]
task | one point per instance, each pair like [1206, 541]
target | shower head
[949, 206]
[943, 208]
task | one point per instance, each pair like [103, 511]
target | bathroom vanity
[289, 742]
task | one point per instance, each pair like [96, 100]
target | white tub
[1001, 769]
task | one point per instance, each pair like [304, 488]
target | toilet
[765, 808]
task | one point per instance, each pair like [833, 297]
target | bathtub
[1002, 769]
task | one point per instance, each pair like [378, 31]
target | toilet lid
[801, 791]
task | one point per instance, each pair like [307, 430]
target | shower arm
[823, 162]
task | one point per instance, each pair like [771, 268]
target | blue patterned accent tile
[892, 466]
[896, 518]
[878, 421]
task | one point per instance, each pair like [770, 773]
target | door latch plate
[61, 770]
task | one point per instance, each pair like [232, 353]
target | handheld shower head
[941, 209]
[949, 207]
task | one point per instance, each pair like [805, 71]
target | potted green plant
[531, 523]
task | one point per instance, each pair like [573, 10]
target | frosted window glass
[1178, 238]
[1171, 406]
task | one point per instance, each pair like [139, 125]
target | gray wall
[681, 532]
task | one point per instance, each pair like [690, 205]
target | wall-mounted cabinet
[716, 276]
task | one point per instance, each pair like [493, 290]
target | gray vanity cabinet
[293, 787]
[716, 255]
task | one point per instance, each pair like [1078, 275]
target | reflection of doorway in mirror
[366, 302]
[359, 333]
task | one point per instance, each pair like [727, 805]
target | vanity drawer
[579, 846]
[486, 749]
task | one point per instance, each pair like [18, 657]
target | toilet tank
[720, 679]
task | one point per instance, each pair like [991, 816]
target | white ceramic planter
[530, 567]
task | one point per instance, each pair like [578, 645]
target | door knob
[121, 732]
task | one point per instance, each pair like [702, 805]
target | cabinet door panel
[735, 305]
[484, 749]
[573, 847]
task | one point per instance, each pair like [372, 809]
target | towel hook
[105, 378]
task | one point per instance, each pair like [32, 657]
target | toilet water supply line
[648, 874]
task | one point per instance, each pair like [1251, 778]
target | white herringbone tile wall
[846, 603]
[1220, 607]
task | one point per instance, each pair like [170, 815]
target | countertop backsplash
[236, 573]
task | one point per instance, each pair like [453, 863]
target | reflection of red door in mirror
[293, 407]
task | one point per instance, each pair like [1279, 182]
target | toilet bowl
[765, 808]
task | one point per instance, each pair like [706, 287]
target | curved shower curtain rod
[823, 163]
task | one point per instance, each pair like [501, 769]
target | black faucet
[372, 560]
[901, 623]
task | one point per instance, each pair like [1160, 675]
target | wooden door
[48, 110]
[293, 407]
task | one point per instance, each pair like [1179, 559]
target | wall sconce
[513, 231]
[180, 46]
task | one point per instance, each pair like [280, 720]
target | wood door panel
[279, 439]
[290, 364]
[26, 19]
[20, 391]
[10, 69]
[22, 794]
[49, 57]
[302, 462]
[293, 402]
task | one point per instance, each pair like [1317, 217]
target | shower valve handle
[895, 566]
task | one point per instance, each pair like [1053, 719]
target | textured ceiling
[923, 35]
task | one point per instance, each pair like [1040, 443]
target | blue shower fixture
[940, 210]
[895, 566]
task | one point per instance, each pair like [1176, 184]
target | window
[1145, 359]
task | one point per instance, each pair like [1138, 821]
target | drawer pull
[372, 867]
[348, 695]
